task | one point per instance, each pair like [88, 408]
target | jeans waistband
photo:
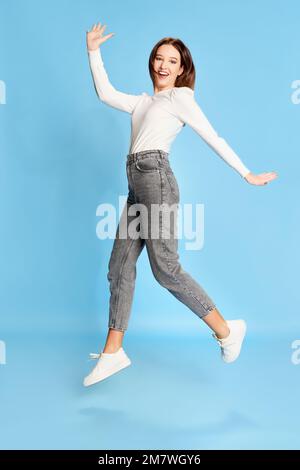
[146, 153]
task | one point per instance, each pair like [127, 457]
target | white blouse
[157, 119]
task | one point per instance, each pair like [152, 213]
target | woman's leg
[161, 188]
[217, 323]
[122, 275]
[114, 340]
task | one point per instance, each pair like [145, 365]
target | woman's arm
[105, 90]
[189, 112]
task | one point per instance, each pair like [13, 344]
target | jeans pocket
[147, 164]
[172, 182]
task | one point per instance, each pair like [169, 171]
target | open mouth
[162, 75]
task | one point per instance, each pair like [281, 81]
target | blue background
[63, 153]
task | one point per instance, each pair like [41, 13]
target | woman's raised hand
[262, 178]
[94, 37]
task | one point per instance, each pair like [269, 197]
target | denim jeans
[151, 181]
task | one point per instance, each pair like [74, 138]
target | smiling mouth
[162, 75]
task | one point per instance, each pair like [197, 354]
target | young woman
[155, 122]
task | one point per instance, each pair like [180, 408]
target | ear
[180, 71]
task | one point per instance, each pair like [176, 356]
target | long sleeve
[189, 112]
[105, 90]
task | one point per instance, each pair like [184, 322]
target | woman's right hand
[94, 37]
[262, 178]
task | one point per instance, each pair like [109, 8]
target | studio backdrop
[63, 166]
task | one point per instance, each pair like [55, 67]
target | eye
[172, 61]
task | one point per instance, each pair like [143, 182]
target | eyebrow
[170, 57]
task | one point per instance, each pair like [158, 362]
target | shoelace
[219, 342]
[223, 343]
[94, 355]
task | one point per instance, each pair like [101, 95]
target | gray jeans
[151, 181]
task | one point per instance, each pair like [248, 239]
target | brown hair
[187, 78]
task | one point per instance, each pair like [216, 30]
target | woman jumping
[155, 122]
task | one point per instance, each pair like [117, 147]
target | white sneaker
[231, 345]
[108, 364]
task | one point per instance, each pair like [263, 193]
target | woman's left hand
[262, 178]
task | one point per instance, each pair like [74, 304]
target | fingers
[271, 177]
[96, 27]
[271, 173]
[108, 36]
[268, 178]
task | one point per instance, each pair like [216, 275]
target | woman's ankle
[224, 333]
[111, 349]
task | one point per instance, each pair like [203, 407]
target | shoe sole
[110, 372]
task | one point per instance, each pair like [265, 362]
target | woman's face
[167, 60]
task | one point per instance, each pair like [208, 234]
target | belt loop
[159, 157]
